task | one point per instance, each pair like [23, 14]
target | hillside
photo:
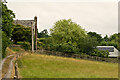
[44, 66]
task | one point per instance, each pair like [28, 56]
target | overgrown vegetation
[21, 33]
[25, 45]
[69, 37]
[100, 53]
[7, 27]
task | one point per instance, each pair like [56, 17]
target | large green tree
[67, 31]
[7, 26]
[7, 20]
[70, 37]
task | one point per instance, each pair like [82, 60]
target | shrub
[41, 43]
[20, 43]
[5, 42]
[100, 53]
[25, 45]
[63, 47]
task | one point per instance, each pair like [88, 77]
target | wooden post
[16, 71]
[32, 25]
[35, 18]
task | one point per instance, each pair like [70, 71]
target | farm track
[8, 74]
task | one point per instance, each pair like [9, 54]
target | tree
[65, 31]
[114, 37]
[21, 33]
[97, 36]
[106, 38]
[4, 43]
[7, 25]
[119, 41]
[88, 44]
[69, 37]
[7, 20]
[43, 34]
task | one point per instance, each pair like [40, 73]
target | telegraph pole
[35, 18]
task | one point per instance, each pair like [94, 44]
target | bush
[41, 43]
[63, 47]
[20, 43]
[5, 42]
[104, 43]
[25, 45]
[100, 53]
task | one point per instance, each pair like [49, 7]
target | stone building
[30, 23]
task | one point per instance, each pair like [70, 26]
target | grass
[17, 49]
[9, 51]
[44, 66]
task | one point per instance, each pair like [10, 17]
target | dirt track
[8, 74]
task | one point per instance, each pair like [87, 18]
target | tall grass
[44, 66]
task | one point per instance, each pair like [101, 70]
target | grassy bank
[43, 66]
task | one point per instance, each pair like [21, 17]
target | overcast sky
[97, 16]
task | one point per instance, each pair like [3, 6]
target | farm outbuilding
[113, 52]
[33, 25]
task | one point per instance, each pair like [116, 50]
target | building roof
[26, 23]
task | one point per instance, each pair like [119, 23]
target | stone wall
[78, 56]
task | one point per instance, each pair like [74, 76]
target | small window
[110, 49]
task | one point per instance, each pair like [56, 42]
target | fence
[16, 77]
[78, 56]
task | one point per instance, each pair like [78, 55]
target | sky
[99, 16]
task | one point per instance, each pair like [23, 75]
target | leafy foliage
[69, 37]
[100, 53]
[106, 38]
[4, 43]
[25, 45]
[65, 31]
[97, 36]
[88, 44]
[21, 33]
[43, 34]
[7, 20]
[7, 26]
[113, 40]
